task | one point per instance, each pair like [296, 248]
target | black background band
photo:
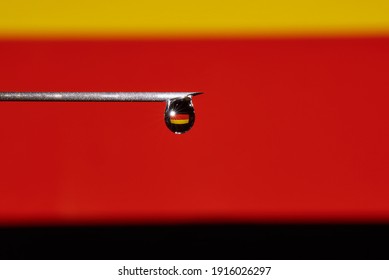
[200, 241]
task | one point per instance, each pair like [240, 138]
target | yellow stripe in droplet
[179, 121]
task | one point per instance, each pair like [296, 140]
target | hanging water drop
[179, 114]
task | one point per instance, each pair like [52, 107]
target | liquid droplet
[179, 115]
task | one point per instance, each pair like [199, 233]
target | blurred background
[292, 128]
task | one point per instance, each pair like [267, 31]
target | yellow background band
[21, 18]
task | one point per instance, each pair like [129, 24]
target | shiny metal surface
[94, 96]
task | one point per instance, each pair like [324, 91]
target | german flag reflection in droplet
[179, 118]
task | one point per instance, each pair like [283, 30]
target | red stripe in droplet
[180, 117]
